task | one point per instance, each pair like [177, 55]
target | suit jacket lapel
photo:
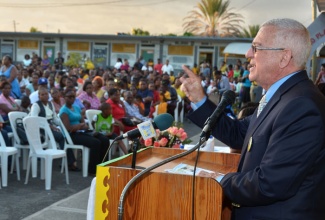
[255, 122]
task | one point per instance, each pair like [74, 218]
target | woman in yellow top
[177, 87]
[223, 68]
[195, 69]
[164, 98]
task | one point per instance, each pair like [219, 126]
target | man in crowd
[146, 94]
[58, 62]
[42, 83]
[167, 68]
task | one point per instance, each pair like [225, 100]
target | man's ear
[285, 59]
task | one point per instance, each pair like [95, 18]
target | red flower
[156, 144]
[163, 142]
[148, 142]
[183, 136]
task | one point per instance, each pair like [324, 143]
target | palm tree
[250, 31]
[213, 18]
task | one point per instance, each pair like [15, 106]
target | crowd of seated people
[132, 95]
[132, 92]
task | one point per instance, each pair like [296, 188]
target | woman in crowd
[27, 61]
[109, 84]
[45, 62]
[246, 86]
[51, 81]
[118, 110]
[73, 121]
[89, 99]
[62, 82]
[7, 104]
[156, 98]
[97, 86]
[9, 71]
[57, 100]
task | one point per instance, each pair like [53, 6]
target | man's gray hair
[293, 35]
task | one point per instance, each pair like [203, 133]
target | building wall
[104, 50]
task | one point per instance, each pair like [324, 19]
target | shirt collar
[275, 86]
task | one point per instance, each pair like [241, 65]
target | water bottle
[209, 145]
[181, 146]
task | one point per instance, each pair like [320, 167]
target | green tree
[250, 31]
[34, 30]
[169, 35]
[188, 34]
[74, 60]
[140, 32]
[213, 18]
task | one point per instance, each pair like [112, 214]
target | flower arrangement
[173, 137]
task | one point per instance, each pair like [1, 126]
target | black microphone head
[163, 121]
[228, 97]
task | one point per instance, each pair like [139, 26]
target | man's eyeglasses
[256, 48]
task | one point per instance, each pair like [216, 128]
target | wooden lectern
[159, 195]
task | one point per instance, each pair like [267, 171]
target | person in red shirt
[158, 66]
[118, 110]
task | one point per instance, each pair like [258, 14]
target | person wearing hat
[42, 83]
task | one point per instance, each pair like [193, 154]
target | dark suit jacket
[282, 176]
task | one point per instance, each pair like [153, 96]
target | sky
[113, 16]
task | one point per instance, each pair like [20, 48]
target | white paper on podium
[220, 149]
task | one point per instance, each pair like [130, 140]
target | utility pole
[15, 25]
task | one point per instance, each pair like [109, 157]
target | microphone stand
[203, 137]
[135, 146]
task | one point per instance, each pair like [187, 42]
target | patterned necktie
[262, 104]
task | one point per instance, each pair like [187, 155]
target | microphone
[161, 122]
[227, 98]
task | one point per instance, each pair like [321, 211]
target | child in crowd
[104, 122]
[165, 98]
[25, 104]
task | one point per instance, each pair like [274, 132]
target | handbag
[21, 131]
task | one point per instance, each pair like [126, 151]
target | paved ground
[33, 202]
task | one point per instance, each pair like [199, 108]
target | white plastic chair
[180, 103]
[16, 140]
[18, 101]
[90, 113]
[32, 126]
[70, 145]
[5, 152]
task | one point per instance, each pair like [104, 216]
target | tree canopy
[250, 31]
[213, 18]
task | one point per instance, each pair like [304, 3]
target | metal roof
[49, 36]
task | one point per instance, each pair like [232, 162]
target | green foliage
[74, 60]
[250, 31]
[139, 32]
[213, 18]
[34, 30]
[188, 34]
[170, 35]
